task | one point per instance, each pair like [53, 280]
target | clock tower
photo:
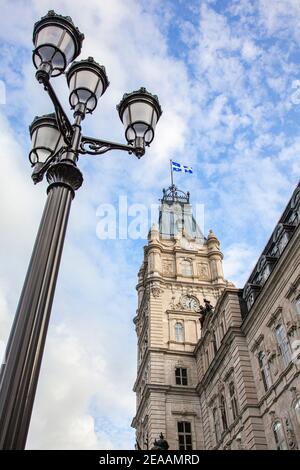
[181, 272]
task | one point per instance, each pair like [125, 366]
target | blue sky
[228, 78]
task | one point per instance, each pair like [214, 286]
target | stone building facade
[218, 366]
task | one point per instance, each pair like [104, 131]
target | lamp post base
[22, 362]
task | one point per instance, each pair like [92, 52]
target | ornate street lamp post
[56, 146]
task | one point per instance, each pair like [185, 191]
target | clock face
[190, 303]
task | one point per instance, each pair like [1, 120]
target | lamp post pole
[60, 144]
[26, 344]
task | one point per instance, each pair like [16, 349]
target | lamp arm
[92, 146]
[63, 121]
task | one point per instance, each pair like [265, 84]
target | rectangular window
[283, 344]
[207, 359]
[233, 400]
[214, 341]
[184, 435]
[222, 330]
[181, 376]
[264, 370]
[216, 424]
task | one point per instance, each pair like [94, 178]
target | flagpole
[171, 170]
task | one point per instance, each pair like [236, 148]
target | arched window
[179, 331]
[279, 436]
[223, 413]
[264, 370]
[186, 268]
[297, 410]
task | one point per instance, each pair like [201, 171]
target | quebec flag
[179, 167]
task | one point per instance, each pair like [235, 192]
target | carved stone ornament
[172, 305]
[156, 291]
[203, 270]
[168, 267]
[271, 355]
[291, 438]
[291, 328]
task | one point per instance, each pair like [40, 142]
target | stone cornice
[293, 288]
[174, 249]
[180, 312]
[192, 281]
[169, 351]
[184, 413]
[274, 316]
[153, 387]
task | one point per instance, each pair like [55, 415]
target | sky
[227, 74]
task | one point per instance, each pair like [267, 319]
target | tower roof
[173, 194]
[176, 217]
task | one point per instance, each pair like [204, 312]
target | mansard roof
[279, 239]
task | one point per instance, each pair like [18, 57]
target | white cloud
[238, 262]
[282, 17]
[249, 50]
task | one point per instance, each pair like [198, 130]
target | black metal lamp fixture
[46, 138]
[139, 111]
[57, 42]
[87, 82]
[56, 146]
